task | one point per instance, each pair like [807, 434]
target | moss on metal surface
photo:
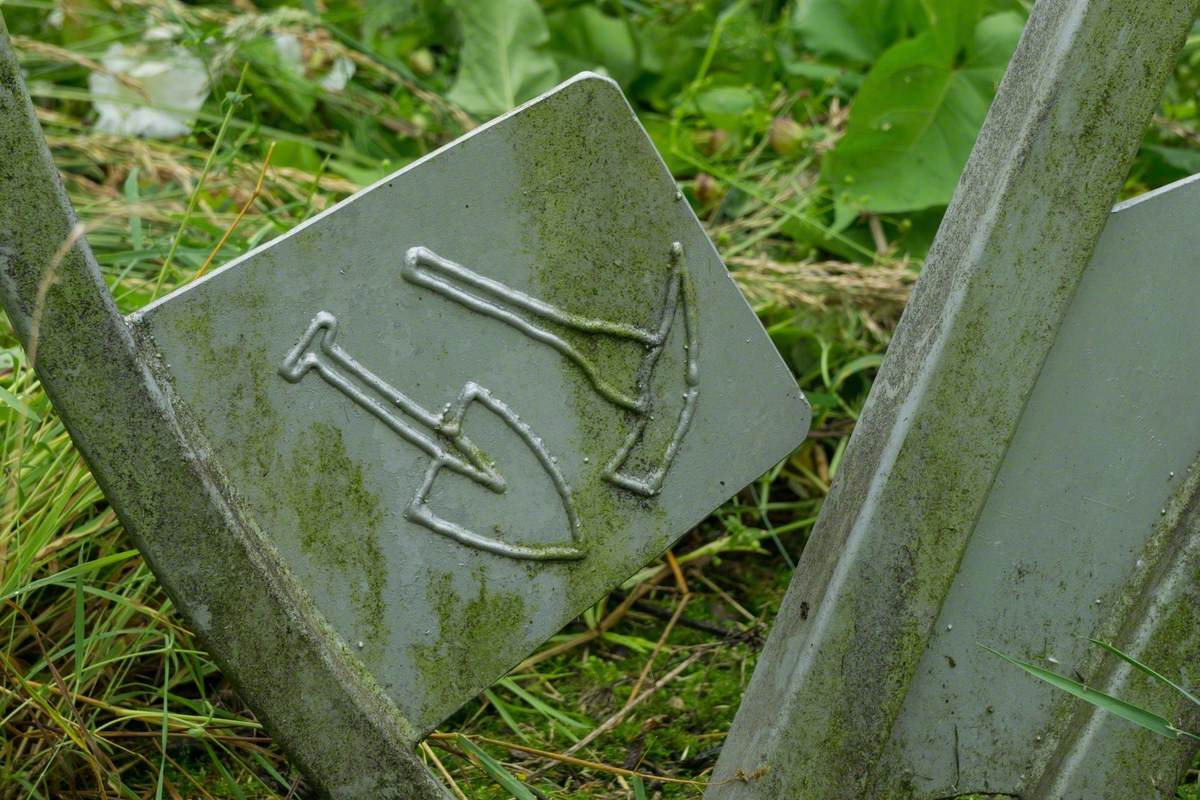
[468, 632]
[267, 638]
[339, 527]
[1029, 210]
[610, 266]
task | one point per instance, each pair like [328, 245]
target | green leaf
[273, 79]
[1105, 702]
[726, 106]
[505, 714]
[1133, 662]
[860, 364]
[393, 29]
[856, 29]
[585, 38]
[1182, 159]
[62, 576]
[499, 774]
[915, 119]
[541, 706]
[502, 62]
[17, 404]
[952, 22]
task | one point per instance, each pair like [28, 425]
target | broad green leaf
[952, 22]
[726, 106]
[1105, 702]
[856, 29]
[915, 119]
[842, 77]
[585, 38]
[299, 155]
[1182, 159]
[393, 29]
[502, 62]
[498, 773]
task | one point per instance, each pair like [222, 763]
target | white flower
[174, 81]
[339, 75]
[291, 55]
[162, 33]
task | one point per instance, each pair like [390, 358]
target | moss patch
[338, 522]
[473, 637]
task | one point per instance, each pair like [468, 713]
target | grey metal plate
[467, 401]
[1106, 440]
[987, 483]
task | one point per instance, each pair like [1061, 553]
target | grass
[105, 692]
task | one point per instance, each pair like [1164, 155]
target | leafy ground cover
[819, 141]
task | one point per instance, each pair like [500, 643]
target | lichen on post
[825, 714]
[119, 411]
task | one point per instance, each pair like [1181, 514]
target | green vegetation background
[819, 140]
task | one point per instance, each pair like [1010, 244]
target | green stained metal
[468, 401]
[1018, 475]
[380, 459]
[260, 625]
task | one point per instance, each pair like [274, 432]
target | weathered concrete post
[379, 460]
[1017, 478]
[260, 626]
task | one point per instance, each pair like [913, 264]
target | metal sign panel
[1086, 515]
[1023, 475]
[463, 404]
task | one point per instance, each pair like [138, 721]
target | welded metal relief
[259, 464]
[440, 436]
[492, 298]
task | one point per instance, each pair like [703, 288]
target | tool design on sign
[440, 436]
[519, 310]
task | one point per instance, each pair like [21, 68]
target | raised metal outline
[425, 268]
[447, 446]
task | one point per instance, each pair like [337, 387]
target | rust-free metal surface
[463, 404]
[335, 722]
[378, 460]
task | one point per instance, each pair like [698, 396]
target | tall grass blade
[1133, 662]
[505, 779]
[17, 404]
[1105, 702]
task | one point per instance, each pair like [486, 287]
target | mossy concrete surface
[254, 618]
[867, 637]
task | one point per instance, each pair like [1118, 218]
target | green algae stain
[598, 217]
[251, 428]
[474, 638]
[338, 522]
